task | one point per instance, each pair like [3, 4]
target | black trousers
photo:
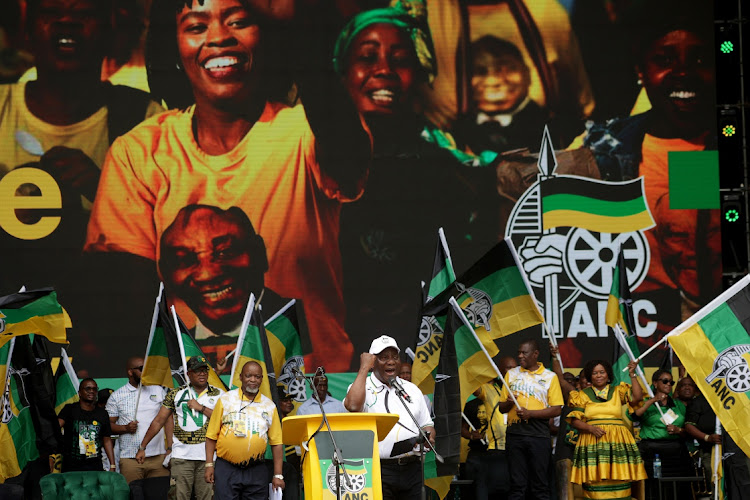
[401, 482]
[529, 463]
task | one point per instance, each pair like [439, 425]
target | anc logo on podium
[360, 475]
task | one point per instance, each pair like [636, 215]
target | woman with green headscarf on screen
[387, 237]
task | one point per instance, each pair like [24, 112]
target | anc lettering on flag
[605, 207]
[33, 312]
[283, 332]
[428, 348]
[442, 269]
[714, 347]
[620, 304]
[66, 383]
[17, 433]
[252, 345]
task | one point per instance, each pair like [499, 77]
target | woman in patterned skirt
[606, 458]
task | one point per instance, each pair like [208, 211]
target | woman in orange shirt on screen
[230, 143]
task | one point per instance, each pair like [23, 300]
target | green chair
[85, 486]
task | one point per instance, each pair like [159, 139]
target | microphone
[399, 389]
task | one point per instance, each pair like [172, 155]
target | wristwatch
[278, 476]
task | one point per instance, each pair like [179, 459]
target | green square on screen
[694, 179]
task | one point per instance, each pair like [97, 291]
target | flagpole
[280, 311]
[471, 426]
[717, 458]
[695, 318]
[624, 344]
[178, 332]
[6, 384]
[154, 318]
[461, 314]
[69, 368]
[241, 338]
[444, 243]
[550, 334]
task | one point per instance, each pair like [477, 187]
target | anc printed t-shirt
[272, 175]
[491, 395]
[84, 430]
[190, 426]
[535, 390]
[243, 427]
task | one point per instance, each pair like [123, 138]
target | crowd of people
[538, 433]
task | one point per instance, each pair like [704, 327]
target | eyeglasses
[666, 381]
[139, 368]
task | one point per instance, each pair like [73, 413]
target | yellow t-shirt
[242, 428]
[495, 435]
[535, 390]
[272, 175]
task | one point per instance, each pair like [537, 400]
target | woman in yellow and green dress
[606, 459]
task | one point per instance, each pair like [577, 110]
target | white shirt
[379, 398]
[330, 405]
[121, 404]
[189, 438]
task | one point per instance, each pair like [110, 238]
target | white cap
[381, 343]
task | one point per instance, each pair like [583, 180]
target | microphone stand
[336, 459]
[424, 437]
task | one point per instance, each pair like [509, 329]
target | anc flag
[33, 311]
[442, 269]
[66, 383]
[714, 347]
[447, 419]
[475, 366]
[167, 353]
[17, 432]
[621, 358]
[495, 296]
[620, 304]
[252, 345]
[283, 332]
[428, 347]
[605, 207]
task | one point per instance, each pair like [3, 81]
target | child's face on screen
[498, 83]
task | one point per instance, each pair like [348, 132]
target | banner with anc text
[103, 221]
[714, 347]
[66, 383]
[33, 311]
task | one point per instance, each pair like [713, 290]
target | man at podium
[378, 392]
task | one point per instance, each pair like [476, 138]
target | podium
[357, 435]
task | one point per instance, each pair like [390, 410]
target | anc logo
[428, 327]
[733, 368]
[477, 306]
[357, 471]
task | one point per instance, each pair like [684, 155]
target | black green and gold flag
[252, 345]
[495, 295]
[606, 207]
[167, 354]
[66, 383]
[620, 304]
[714, 347]
[442, 268]
[17, 433]
[33, 312]
[284, 341]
